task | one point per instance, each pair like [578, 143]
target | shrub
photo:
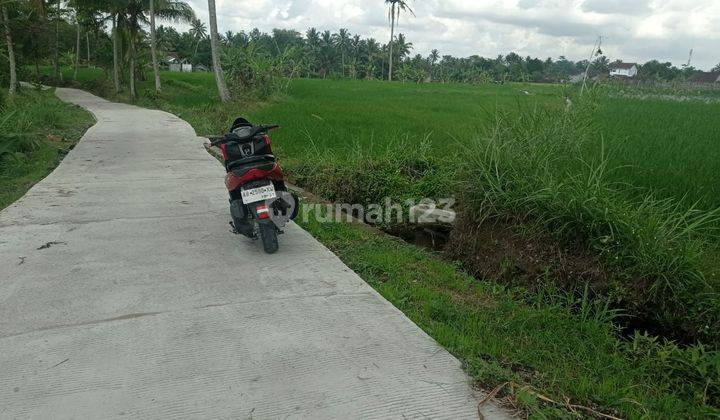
[253, 73]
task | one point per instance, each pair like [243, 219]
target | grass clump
[405, 168]
[36, 131]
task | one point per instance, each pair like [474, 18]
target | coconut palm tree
[229, 38]
[77, 44]
[433, 59]
[114, 11]
[10, 47]
[40, 8]
[86, 15]
[114, 8]
[219, 76]
[373, 49]
[355, 44]
[153, 47]
[396, 6]
[133, 16]
[326, 53]
[168, 9]
[341, 41]
[312, 49]
[403, 47]
[198, 30]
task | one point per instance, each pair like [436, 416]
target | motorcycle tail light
[262, 211]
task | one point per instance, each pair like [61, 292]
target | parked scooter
[260, 204]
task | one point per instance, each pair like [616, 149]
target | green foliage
[26, 152]
[534, 169]
[252, 74]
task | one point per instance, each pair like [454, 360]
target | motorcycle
[260, 203]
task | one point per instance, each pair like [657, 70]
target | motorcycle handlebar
[218, 140]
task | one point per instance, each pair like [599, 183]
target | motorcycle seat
[243, 165]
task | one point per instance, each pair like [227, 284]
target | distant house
[624, 70]
[705, 78]
[171, 58]
[201, 67]
[576, 78]
[180, 65]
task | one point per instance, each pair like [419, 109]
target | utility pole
[596, 48]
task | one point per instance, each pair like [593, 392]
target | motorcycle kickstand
[234, 229]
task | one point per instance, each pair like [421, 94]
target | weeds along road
[123, 293]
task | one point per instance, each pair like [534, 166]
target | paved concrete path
[123, 294]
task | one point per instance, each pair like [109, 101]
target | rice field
[670, 148]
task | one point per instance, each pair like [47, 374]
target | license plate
[258, 194]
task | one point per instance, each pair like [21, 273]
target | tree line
[115, 34]
[121, 37]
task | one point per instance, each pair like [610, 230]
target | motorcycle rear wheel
[269, 236]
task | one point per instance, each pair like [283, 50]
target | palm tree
[40, 8]
[86, 16]
[113, 9]
[312, 48]
[219, 77]
[56, 48]
[229, 37]
[153, 48]
[132, 16]
[168, 9]
[373, 49]
[342, 38]
[10, 48]
[198, 30]
[355, 44]
[326, 52]
[403, 47]
[433, 58]
[396, 6]
[77, 43]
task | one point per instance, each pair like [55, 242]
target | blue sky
[633, 30]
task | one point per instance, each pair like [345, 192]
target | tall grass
[36, 130]
[534, 169]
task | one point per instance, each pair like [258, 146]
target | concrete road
[123, 294]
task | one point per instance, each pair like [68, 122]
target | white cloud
[633, 30]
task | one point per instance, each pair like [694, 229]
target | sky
[632, 30]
